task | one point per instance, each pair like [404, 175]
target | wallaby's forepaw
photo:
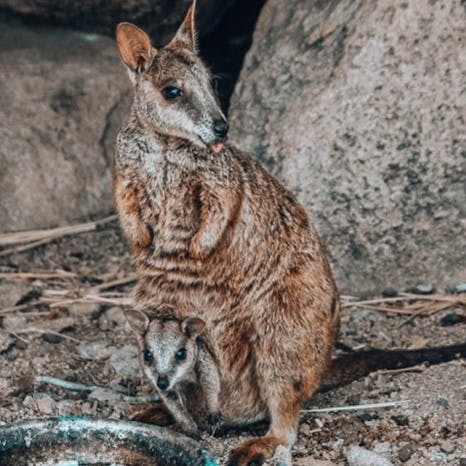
[155, 414]
[197, 249]
[253, 452]
[192, 432]
[243, 458]
[213, 423]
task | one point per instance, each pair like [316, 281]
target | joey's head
[173, 88]
[168, 347]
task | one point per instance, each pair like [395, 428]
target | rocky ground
[96, 348]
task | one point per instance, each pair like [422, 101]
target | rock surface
[161, 17]
[359, 108]
[62, 98]
[358, 456]
[125, 361]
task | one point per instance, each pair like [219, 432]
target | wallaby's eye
[148, 356]
[180, 354]
[172, 92]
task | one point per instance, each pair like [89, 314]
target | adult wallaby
[211, 230]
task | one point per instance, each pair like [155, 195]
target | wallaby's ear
[138, 321]
[192, 327]
[135, 47]
[186, 35]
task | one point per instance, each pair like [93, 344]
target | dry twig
[355, 407]
[44, 332]
[418, 368]
[37, 275]
[33, 238]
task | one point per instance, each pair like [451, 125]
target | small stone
[381, 447]
[125, 361]
[424, 289]
[337, 445]
[282, 456]
[31, 295]
[60, 324]
[104, 396]
[5, 341]
[463, 461]
[113, 317]
[405, 453]
[366, 416]
[452, 319]
[52, 338]
[354, 399]
[443, 402]
[308, 461]
[96, 350]
[415, 436]
[304, 429]
[11, 293]
[45, 403]
[358, 456]
[84, 309]
[447, 447]
[14, 322]
[29, 402]
[401, 419]
[66, 407]
[390, 292]
[6, 387]
[461, 288]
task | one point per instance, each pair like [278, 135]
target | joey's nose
[162, 382]
[221, 128]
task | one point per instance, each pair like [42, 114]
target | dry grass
[25, 240]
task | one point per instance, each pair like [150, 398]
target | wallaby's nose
[162, 382]
[221, 128]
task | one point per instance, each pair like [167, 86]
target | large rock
[160, 17]
[359, 107]
[62, 98]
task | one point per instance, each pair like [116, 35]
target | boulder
[359, 108]
[159, 17]
[63, 96]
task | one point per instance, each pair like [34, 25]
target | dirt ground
[97, 349]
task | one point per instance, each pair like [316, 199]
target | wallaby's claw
[213, 423]
[194, 434]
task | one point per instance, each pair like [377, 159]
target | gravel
[358, 456]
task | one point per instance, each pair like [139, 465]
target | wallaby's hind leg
[284, 416]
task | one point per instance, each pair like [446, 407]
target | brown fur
[216, 233]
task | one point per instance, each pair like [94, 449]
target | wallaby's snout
[163, 382]
[221, 129]
[173, 87]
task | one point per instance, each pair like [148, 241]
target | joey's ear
[185, 37]
[135, 47]
[192, 327]
[138, 321]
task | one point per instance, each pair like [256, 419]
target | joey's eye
[180, 354]
[148, 356]
[172, 92]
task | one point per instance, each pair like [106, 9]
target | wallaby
[177, 358]
[178, 363]
[211, 230]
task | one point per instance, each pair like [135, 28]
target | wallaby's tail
[348, 367]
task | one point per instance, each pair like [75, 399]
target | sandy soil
[97, 349]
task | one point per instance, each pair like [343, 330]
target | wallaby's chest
[169, 204]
